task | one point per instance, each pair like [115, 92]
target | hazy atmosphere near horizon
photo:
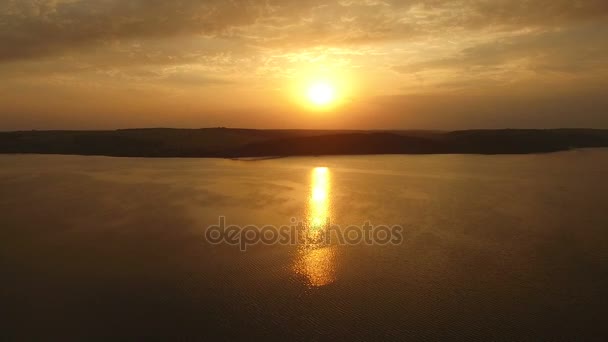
[349, 64]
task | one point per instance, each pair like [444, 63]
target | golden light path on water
[318, 212]
[316, 260]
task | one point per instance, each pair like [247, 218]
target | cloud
[534, 13]
[35, 28]
[550, 54]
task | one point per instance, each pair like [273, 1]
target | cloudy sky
[430, 64]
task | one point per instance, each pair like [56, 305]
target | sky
[430, 64]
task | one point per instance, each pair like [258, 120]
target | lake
[511, 247]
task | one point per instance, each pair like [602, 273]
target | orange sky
[99, 64]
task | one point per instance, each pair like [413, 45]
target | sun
[321, 90]
[321, 94]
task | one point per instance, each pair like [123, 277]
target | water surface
[494, 248]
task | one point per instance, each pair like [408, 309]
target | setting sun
[321, 94]
[322, 89]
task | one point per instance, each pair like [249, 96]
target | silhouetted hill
[341, 144]
[236, 143]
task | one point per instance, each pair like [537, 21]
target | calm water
[494, 248]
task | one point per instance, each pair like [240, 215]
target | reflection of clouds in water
[316, 261]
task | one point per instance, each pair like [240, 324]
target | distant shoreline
[244, 144]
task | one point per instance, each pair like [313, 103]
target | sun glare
[321, 90]
[321, 94]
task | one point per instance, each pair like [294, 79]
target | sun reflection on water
[316, 260]
[318, 208]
